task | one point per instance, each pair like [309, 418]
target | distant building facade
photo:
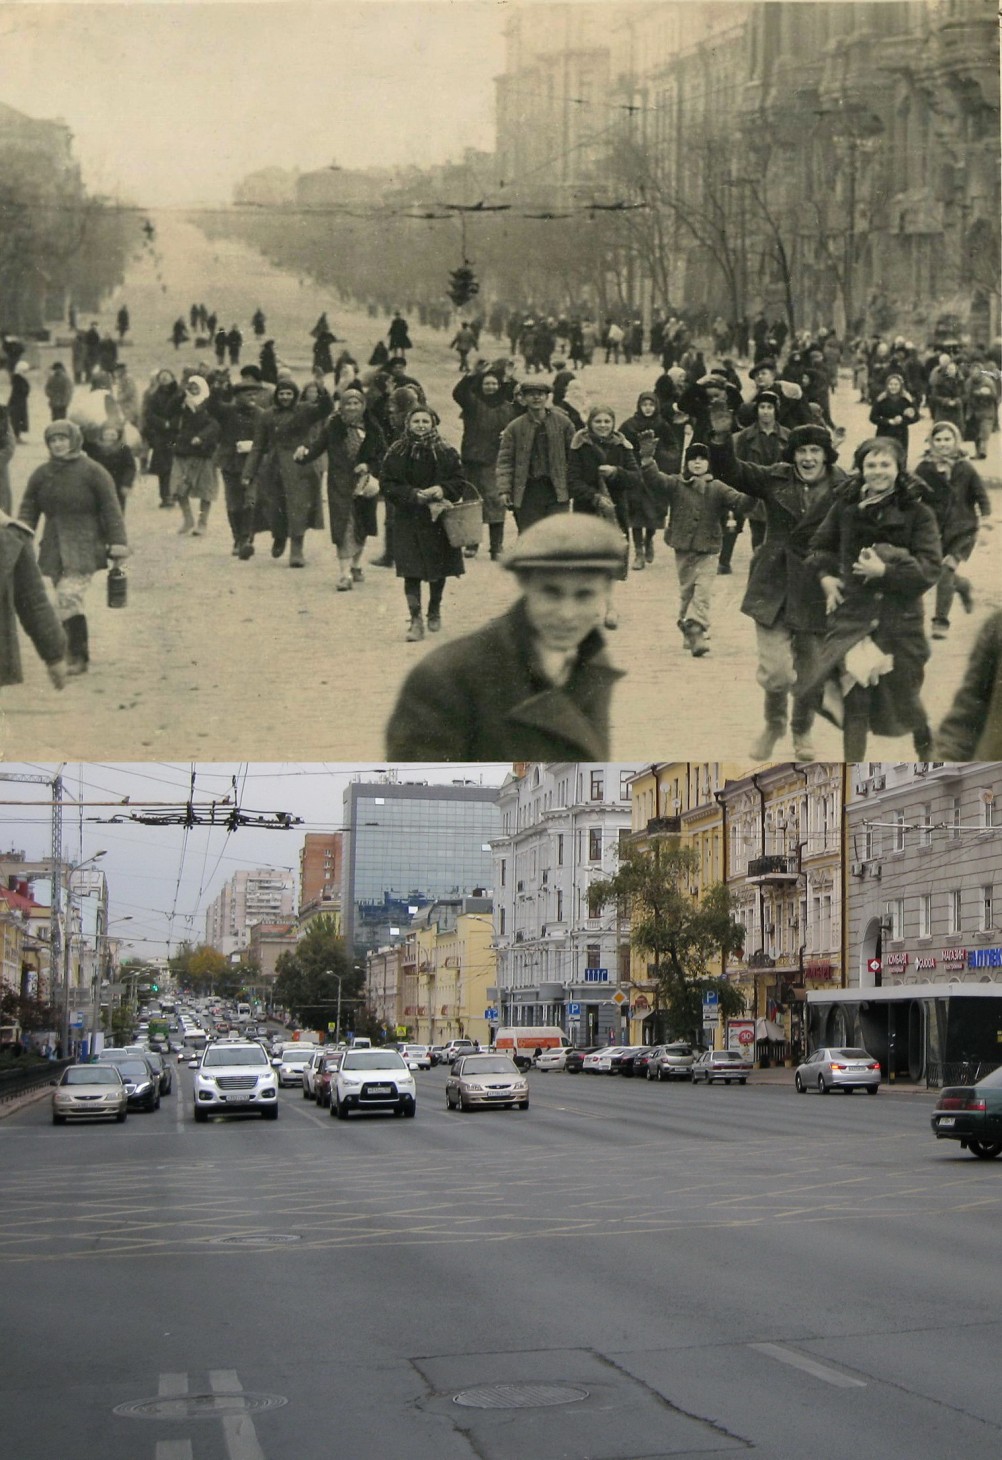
[263, 895]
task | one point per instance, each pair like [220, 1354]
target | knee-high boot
[775, 724]
[77, 655]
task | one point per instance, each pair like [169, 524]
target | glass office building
[407, 846]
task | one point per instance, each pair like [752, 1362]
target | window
[504, 871]
[597, 785]
[989, 817]
[595, 844]
[925, 834]
[898, 832]
[560, 850]
[560, 906]
[624, 785]
[896, 918]
[987, 907]
[925, 915]
[955, 830]
[503, 920]
[593, 955]
[954, 911]
[594, 905]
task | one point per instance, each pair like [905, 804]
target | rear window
[851, 1054]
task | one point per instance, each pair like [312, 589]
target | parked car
[486, 1079]
[643, 1059]
[720, 1064]
[972, 1115]
[552, 1059]
[437, 1054]
[416, 1056]
[599, 1061]
[456, 1047]
[625, 1062]
[574, 1063]
[89, 1091]
[372, 1079]
[311, 1070]
[671, 1062]
[233, 1077]
[838, 1069]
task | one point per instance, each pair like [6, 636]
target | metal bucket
[464, 523]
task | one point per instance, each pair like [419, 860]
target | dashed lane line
[809, 1366]
[239, 1434]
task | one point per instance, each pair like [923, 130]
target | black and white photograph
[499, 381]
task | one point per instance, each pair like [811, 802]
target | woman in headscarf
[193, 470]
[161, 410]
[355, 447]
[953, 489]
[603, 475]
[289, 491]
[876, 553]
[893, 412]
[109, 450]
[84, 527]
[668, 439]
[420, 474]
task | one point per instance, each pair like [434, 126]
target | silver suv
[671, 1062]
[372, 1079]
[235, 1077]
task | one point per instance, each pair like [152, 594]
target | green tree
[307, 979]
[680, 935]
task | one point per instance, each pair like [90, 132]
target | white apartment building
[264, 895]
[560, 960]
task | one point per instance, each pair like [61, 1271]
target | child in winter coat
[951, 486]
[109, 450]
[893, 411]
[699, 504]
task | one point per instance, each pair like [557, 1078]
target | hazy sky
[152, 870]
[172, 103]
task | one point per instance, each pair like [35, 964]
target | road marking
[809, 1366]
[172, 1385]
[173, 1450]
[238, 1429]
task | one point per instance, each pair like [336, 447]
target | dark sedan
[142, 1085]
[575, 1059]
[628, 1062]
[972, 1115]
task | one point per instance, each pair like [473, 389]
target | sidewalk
[779, 1075]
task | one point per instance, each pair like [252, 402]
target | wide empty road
[627, 1271]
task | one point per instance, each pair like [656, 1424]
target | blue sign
[574, 1010]
[711, 999]
[490, 1014]
[596, 975]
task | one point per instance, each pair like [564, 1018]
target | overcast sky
[172, 103]
[153, 872]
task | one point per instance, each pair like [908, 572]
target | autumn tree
[680, 934]
[316, 975]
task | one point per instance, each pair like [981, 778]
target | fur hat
[810, 436]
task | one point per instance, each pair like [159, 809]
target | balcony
[664, 826]
[772, 871]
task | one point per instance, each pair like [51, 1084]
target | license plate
[945, 1120]
[379, 1090]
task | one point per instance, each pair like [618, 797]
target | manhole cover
[258, 1239]
[519, 1396]
[199, 1406]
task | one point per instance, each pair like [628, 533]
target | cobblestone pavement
[214, 658]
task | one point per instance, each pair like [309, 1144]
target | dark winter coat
[482, 698]
[6, 452]
[670, 438]
[781, 587]
[160, 417]
[279, 478]
[341, 479]
[958, 501]
[23, 597]
[398, 337]
[761, 448]
[17, 404]
[626, 488]
[892, 415]
[972, 729]
[82, 517]
[483, 421]
[902, 530]
[420, 546]
[58, 389]
[238, 421]
[699, 506]
[792, 410]
[118, 461]
[196, 433]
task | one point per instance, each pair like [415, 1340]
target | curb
[32, 1097]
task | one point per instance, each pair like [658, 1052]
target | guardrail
[15, 1082]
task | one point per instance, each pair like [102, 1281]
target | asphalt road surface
[218, 659]
[627, 1271]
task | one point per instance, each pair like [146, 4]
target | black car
[575, 1059]
[628, 1063]
[972, 1115]
[142, 1085]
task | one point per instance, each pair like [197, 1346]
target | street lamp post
[101, 937]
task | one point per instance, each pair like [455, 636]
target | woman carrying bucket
[421, 477]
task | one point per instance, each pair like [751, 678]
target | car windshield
[92, 1075]
[489, 1066]
[135, 1069]
[850, 1054]
[374, 1059]
[677, 1049]
[234, 1054]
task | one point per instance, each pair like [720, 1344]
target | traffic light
[154, 988]
[462, 285]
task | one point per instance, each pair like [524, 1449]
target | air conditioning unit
[879, 782]
[864, 789]
[545, 877]
[876, 871]
[858, 869]
[770, 928]
[921, 767]
[519, 937]
[519, 886]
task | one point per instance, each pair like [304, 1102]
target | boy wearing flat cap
[534, 684]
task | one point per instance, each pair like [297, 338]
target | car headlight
[472, 1085]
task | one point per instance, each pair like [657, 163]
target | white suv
[235, 1077]
[373, 1079]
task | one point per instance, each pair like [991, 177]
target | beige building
[446, 966]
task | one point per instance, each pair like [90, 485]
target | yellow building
[446, 966]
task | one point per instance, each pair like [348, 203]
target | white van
[522, 1041]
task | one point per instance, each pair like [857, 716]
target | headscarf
[889, 444]
[600, 410]
[421, 445]
[66, 428]
[956, 450]
[196, 392]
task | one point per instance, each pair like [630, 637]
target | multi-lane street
[626, 1270]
